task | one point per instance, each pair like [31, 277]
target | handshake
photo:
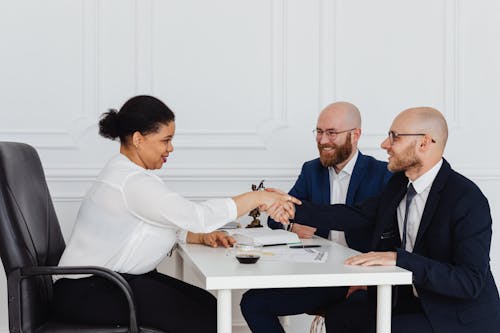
[279, 205]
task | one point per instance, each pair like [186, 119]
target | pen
[303, 246]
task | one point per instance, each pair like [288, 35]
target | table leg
[224, 320]
[384, 308]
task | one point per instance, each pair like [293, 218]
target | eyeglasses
[393, 136]
[331, 134]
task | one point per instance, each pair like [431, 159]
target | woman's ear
[136, 139]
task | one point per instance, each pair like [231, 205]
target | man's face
[402, 152]
[334, 152]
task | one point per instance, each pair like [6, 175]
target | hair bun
[109, 124]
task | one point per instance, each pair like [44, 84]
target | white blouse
[129, 220]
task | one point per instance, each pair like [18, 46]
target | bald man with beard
[430, 220]
[341, 174]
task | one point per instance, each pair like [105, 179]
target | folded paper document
[264, 236]
[307, 255]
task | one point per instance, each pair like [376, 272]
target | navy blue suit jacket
[368, 178]
[450, 260]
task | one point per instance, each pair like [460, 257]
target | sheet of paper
[311, 255]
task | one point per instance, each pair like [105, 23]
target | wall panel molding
[228, 171]
[327, 31]
[66, 138]
[144, 48]
[70, 185]
[450, 64]
[277, 118]
[328, 63]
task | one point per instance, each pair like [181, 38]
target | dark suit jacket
[368, 178]
[450, 261]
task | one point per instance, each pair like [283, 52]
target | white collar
[425, 180]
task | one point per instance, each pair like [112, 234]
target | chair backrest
[29, 230]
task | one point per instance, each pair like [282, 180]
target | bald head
[425, 120]
[420, 144]
[344, 112]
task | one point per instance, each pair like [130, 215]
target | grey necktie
[410, 194]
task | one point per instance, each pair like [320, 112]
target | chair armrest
[106, 273]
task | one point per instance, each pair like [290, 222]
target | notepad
[264, 236]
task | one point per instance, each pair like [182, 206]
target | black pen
[303, 246]
[277, 244]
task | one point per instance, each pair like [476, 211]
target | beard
[339, 154]
[404, 160]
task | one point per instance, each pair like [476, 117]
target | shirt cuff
[182, 235]
[232, 209]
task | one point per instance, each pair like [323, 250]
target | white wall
[246, 80]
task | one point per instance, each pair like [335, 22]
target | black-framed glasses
[331, 134]
[393, 136]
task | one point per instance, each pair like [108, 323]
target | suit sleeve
[299, 191]
[464, 275]
[339, 216]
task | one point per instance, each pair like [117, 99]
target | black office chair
[31, 244]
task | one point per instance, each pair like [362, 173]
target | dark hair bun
[143, 113]
[108, 125]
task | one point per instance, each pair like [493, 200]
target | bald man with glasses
[341, 174]
[430, 220]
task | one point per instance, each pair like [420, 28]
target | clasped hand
[281, 205]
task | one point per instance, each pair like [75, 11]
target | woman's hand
[217, 238]
[213, 239]
[282, 208]
[280, 203]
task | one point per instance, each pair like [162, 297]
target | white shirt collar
[425, 180]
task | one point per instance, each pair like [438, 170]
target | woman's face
[154, 148]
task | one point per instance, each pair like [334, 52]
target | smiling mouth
[327, 149]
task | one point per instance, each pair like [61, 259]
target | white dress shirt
[339, 184]
[129, 220]
[422, 187]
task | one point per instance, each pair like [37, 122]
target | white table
[220, 271]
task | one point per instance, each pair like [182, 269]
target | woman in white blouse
[129, 221]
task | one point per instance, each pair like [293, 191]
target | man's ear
[425, 143]
[356, 134]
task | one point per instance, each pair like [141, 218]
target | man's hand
[283, 208]
[218, 238]
[281, 211]
[373, 259]
[303, 231]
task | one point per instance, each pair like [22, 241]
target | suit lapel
[358, 174]
[325, 185]
[432, 202]
[389, 205]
